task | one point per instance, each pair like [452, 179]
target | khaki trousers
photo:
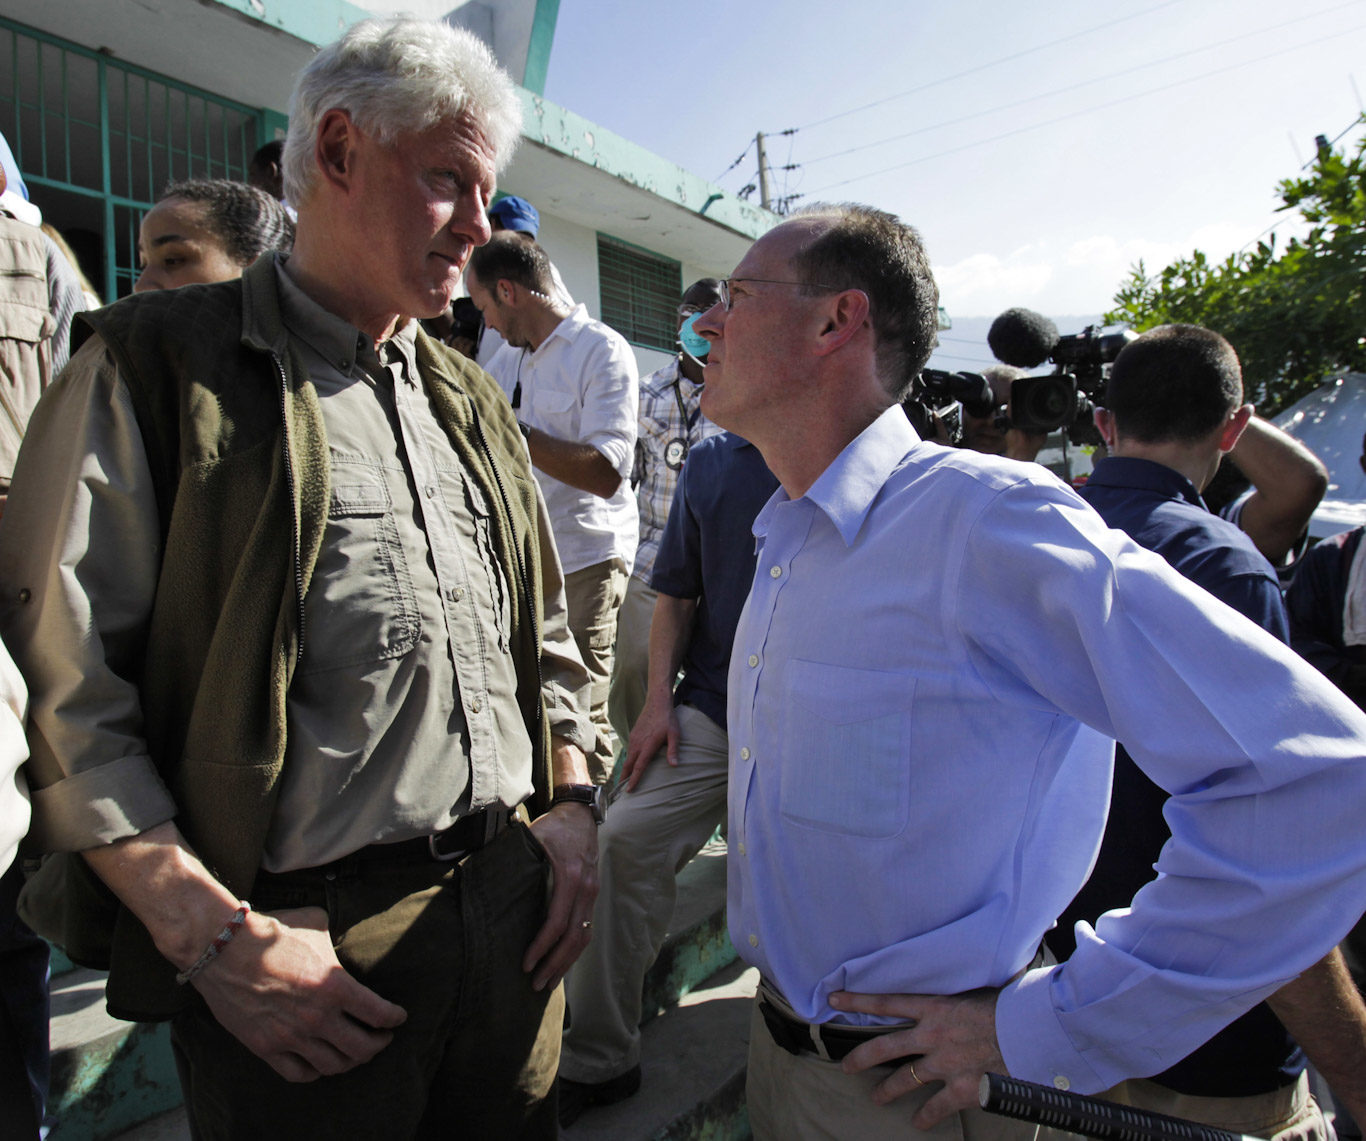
[649, 835]
[631, 662]
[800, 1097]
[593, 596]
[1288, 1114]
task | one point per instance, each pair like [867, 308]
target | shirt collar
[1132, 473]
[336, 340]
[566, 329]
[846, 489]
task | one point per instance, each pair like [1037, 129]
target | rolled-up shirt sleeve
[611, 403]
[79, 560]
[565, 681]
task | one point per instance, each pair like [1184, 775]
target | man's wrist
[589, 796]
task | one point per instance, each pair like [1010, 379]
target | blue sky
[1046, 146]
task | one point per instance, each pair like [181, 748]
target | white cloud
[1081, 277]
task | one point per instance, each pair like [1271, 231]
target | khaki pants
[1289, 1114]
[800, 1097]
[631, 662]
[649, 835]
[593, 596]
[477, 1055]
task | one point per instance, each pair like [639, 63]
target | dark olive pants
[476, 1057]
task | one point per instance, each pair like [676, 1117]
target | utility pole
[763, 170]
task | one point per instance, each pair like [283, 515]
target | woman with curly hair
[205, 230]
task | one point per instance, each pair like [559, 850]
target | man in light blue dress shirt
[937, 653]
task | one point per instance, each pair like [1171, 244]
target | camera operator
[994, 434]
[1173, 409]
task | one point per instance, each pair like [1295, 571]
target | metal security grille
[97, 140]
[640, 293]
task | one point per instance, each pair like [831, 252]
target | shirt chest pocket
[360, 606]
[846, 765]
[555, 406]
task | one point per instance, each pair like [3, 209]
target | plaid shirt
[666, 433]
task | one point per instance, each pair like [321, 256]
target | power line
[986, 66]
[736, 163]
[1084, 111]
[1077, 86]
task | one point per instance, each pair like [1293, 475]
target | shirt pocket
[846, 749]
[360, 606]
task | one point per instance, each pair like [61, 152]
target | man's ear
[1233, 427]
[334, 147]
[842, 320]
[505, 291]
[1105, 425]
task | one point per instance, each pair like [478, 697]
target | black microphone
[1042, 1105]
[1022, 338]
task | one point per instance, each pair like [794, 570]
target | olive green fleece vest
[239, 460]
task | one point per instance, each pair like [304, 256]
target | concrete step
[117, 1079]
[107, 1075]
[692, 1070]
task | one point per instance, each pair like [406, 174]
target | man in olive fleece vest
[284, 592]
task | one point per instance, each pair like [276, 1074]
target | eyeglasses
[728, 298]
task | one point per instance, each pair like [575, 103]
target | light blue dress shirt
[938, 648]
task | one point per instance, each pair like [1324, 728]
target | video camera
[938, 399]
[1066, 397]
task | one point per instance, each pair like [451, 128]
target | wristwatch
[591, 795]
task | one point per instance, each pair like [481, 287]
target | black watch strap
[592, 795]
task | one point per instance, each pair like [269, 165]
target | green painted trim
[560, 130]
[315, 22]
[274, 125]
[642, 249]
[123, 65]
[538, 47]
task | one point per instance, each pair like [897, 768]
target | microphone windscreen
[1022, 338]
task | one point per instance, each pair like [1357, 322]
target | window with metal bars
[98, 140]
[640, 293]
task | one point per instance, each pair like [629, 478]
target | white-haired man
[282, 585]
[937, 652]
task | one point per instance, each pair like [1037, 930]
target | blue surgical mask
[693, 342]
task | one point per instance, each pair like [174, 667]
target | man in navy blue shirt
[1173, 409]
[673, 784]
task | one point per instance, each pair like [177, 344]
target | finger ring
[586, 924]
[918, 1079]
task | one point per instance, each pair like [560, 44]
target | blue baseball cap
[513, 213]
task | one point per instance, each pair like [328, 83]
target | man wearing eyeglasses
[938, 650]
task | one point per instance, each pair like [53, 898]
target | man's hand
[657, 725]
[955, 1035]
[279, 989]
[569, 836]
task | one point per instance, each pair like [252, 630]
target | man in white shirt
[573, 385]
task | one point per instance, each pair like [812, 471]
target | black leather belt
[468, 834]
[835, 1042]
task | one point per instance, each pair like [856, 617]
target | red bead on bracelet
[221, 940]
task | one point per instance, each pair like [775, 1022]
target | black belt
[466, 835]
[798, 1037]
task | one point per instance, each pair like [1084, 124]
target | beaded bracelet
[221, 940]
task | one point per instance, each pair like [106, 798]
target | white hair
[395, 76]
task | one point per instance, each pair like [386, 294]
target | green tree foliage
[1296, 316]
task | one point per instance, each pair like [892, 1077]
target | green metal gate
[97, 140]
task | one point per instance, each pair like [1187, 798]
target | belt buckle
[444, 857]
